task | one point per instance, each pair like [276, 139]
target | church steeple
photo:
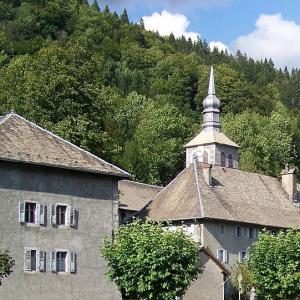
[211, 145]
[211, 104]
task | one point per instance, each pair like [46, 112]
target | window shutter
[72, 262]
[226, 258]
[37, 213]
[218, 254]
[53, 214]
[53, 261]
[73, 217]
[240, 257]
[22, 212]
[42, 214]
[42, 264]
[27, 260]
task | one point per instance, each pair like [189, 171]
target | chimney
[288, 182]
[206, 170]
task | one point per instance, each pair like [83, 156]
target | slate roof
[23, 141]
[211, 137]
[134, 195]
[235, 196]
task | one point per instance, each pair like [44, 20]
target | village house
[57, 203]
[220, 206]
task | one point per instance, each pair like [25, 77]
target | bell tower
[211, 145]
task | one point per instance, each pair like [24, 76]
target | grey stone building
[220, 206]
[57, 203]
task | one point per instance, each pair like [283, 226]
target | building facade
[220, 206]
[57, 203]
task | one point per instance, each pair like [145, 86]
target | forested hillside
[133, 97]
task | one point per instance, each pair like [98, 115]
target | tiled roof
[23, 141]
[235, 195]
[134, 195]
[210, 137]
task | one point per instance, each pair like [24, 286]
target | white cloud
[219, 45]
[274, 38]
[166, 23]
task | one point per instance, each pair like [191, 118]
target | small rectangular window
[251, 233]
[242, 256]
[61, 264]
[61, 212]
[222, 255]
[239, 231]
[31, 262]
[30, 212]
[222, 229]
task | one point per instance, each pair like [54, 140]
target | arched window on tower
[230, 161]
[205, 157]
[223, 164]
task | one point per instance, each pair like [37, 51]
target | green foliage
[93, 77]
[247, 281]
[6, 264]
[274, 263]
[158, 140]
[148, 262]
[266, 142]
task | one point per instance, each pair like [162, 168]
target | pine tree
[95, 6]
[142, 24]
[106, 10]
[124, 17]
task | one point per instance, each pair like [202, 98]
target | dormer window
[230, 161]
[223, 159]
[205, 157]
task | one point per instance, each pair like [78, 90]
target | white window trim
[68, 251]
[225, 257]
[36, 213]
[240, 255]
[37, 258]
[68, 215]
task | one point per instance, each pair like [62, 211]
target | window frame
[241, 231]
[222, 232]
[68, 261]
[71, 212]
[39, 218]
[37, 260]
[242, 257]
[225, 256]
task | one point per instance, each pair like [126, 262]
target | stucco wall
[209, 285]
[213, 240]
[92, 196]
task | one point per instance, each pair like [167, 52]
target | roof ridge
[60, 138]
[6, 117]
[141, 183]
[196, 175]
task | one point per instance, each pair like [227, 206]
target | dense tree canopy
[93, 77]
[148, 262]
[6, 264]
[274, 263]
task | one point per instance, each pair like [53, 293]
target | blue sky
[261, 28]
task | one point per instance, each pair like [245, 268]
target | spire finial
[211, 86]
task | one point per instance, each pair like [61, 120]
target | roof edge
[126, 174]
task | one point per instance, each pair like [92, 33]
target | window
[63, 261]
[251, 233]
[242, 255]
[238, 232]
[31, 213]
[63, 215]
[205, 157]
[222, 255]
[230, 161]
[34, 260]
[222, 229]
[223, 159]
[30, 210]
[61, 211]
[188, 228]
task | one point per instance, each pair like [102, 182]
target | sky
[259, 28]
